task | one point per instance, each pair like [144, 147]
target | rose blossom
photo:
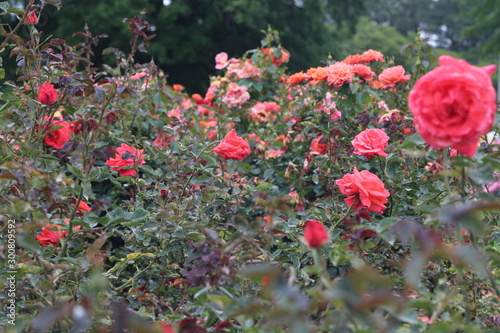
[236, 95]
[263, 112]
[82, 207]
[233, 147]
[52, 237]
[339, 73]
[270, 55]
[392, 75]
[221, 60]
[31, 19]
[454, 104]
[319, 146]
[363, 190]
[56, 138]
[315, 234]
[363, 71]
[125, 158]
[364, 58]
[370, 142]
[47, 94]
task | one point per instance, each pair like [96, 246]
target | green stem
[196, 170]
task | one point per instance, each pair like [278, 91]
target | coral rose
[298, 78]
[339, 73]
[319, 146]
[454, 104]
[233, 147]
[56, 137]
[392, 75]
[364, 58]
[277, 56]
[363, 190]
[363, 71]
[125, 159]
[370, 142]
[315, 234]
[47, 94]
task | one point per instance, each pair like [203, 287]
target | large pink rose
[233, 147]
[370, 142]
[363, 190]
[454, 104]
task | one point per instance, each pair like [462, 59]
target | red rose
[233, 147]
[454, 104]
[82, 207]
[390, 76]
[315, 234]
[125, 159]
[57, 137]
[370, 142]
[32, 18]
[363, 190]
[52, 237]
[47, 94]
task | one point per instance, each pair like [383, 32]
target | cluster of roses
[452, 105]
[342, 72]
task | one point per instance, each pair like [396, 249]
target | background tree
[189, 33]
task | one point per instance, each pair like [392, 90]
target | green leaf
[412, 141]
[13, 10]
[118, 215]
[263, 186]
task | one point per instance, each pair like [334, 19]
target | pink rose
[221, 60]
[236, 95]
[390, 76]
[370, 142]
[454, 104]
[233, 147]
